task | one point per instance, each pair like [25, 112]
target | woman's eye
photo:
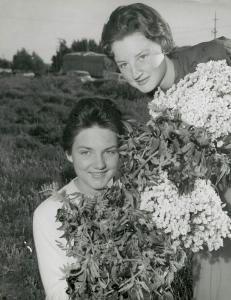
[112, 152]
[85, 153]
[122, 66]
[143, 56]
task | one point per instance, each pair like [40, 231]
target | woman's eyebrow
[120, 61]
[84, 147]
[89, 148]
[112, 147]
[141, 52]
[138, 54]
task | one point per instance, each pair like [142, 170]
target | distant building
[28, 74]
[5, 70]
[94, 63]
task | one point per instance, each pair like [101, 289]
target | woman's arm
[227, 196]
[51, 258]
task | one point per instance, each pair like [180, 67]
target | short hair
[88, 112]
[136, 17]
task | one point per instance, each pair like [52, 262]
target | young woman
[91, 144]
[141, 43]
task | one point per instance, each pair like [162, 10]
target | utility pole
[214, 31]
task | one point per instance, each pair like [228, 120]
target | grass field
[32, 115]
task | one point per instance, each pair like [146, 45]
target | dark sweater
[186, 58]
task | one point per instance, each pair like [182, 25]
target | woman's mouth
[98, 174]
[143, 81]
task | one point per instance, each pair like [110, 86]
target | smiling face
[140, 60]
[95, 158]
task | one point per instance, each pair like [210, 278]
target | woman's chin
[146, 89]
[99, 185]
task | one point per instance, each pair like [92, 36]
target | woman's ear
[69, 157]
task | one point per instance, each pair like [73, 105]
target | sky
[37, 25]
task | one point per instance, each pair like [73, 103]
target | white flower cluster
[197, 220]
[203, 98]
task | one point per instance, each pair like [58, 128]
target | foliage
[4, 63]
[38, 65]
[119, 252]
[172, 164]
[57, 59]
[85, 45]
[183, 151]
[23, 61]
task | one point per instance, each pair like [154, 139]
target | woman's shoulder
[226, 44]
[188, 57]
[214, 49]
[47, 209]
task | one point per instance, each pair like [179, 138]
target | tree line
[25, 62]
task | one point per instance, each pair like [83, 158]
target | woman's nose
[100, 162]
[135, 71]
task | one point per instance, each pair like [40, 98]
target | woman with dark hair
[90, 141]
[141, 43]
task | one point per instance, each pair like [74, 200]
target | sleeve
[50, 257]
[227, 46]
[187, 58]
[227, 197]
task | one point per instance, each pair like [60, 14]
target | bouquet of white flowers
[203, 99]
[193, 220]
[185, 203]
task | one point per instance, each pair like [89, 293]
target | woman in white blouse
[90, 141]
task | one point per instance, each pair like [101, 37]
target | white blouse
[51, 258]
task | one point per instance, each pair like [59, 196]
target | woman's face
[95, 158]
[140, 60]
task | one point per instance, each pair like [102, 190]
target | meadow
[32, 115]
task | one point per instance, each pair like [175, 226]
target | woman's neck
[91, 193]
[169, 76]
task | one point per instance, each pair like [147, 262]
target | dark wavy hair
[136, 17]
[88, 112]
